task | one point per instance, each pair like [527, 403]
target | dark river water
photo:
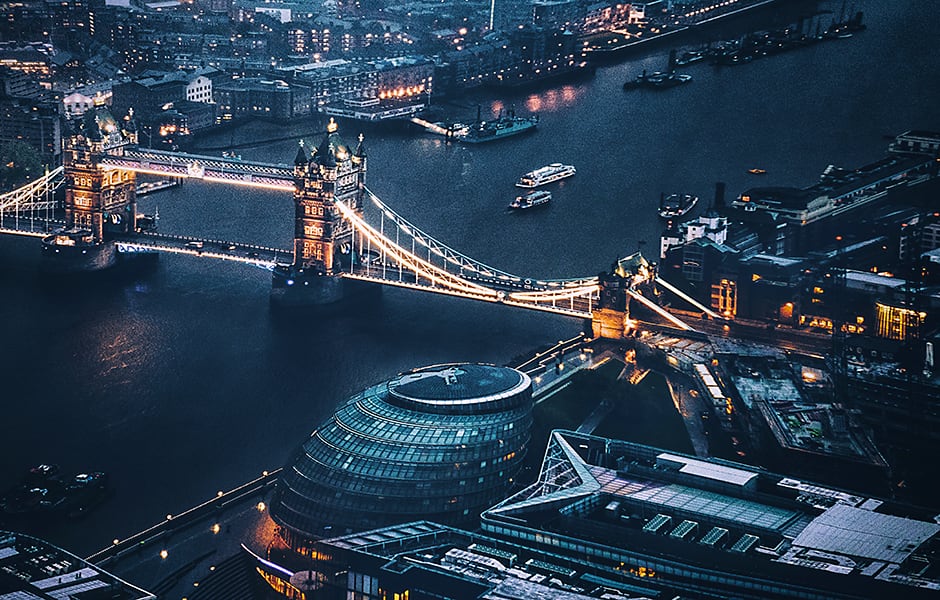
[180, 382]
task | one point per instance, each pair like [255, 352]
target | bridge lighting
[421, 267]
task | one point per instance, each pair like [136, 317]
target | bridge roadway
[29, 226]
[390, 274]
[387, 274]
[801, 341]
[209, 168]
[252, 254]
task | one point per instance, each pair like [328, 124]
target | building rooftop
[851, 531]
[450, 562]
[441, 442]
[865, 279]
[709, 470]
[623, 498]
[32, 569]
[780, 261]
[796, 419]
[439, 387]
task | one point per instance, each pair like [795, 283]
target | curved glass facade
[439, 443]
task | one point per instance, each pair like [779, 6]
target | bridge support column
[99, 202]
[609, 323]
[324, 248]
[611, 318]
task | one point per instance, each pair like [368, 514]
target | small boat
[41, 473]
[676, 205]
[488, 131]
[83, 492]
[692, 56]
[658, 80]
[757, 171]
[44, 492]
[39, 485]
[546, 174]
[531, 200]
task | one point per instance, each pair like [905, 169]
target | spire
[301, 158]
[361, 147]
[332, 148]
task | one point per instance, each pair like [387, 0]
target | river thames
[180, 381]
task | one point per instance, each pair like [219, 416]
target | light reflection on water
[180, 381]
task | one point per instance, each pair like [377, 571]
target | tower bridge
[335, 251]
[208, 168]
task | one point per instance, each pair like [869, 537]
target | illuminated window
[897, 323]
[724, 297]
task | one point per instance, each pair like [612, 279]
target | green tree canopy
[19, 163]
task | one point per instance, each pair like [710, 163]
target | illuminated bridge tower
[611, 318]
[98, 201]
[323, 241]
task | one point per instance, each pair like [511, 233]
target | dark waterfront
[180, 382]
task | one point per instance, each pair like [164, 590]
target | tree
[19, 163]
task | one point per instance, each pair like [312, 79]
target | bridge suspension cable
[29, 209]
[35, 195]
[403, 255]
[463, 262]
[419, 266]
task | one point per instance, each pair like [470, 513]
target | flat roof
[458, 384]
[854, 531]
[710, 470]
[665, 497]
[874, 279]
[35, 569]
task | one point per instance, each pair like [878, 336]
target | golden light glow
[553, 295]
[216, 528]
[285, 185]
[413, 263]
[402, 92]
[898, 323]
[164, 554]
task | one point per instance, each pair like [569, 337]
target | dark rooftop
[455, 383]
[33, 569]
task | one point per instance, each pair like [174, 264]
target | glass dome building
[440, 443]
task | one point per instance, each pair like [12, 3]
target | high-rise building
[510, 14]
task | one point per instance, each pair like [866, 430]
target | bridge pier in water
[324, 242]
[625, 281]
[98, 201]
[611, 318]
